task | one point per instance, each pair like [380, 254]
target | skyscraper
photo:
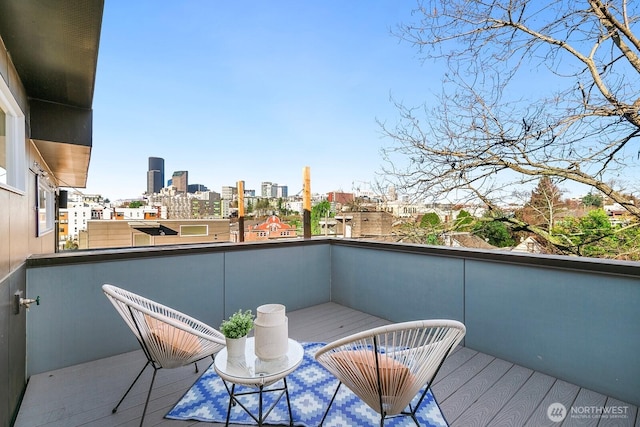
[180, 180]
[155, 175]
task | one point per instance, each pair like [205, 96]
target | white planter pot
[236, 347]
[271, 314]
[271, 332]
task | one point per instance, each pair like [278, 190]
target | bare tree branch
[487, 133]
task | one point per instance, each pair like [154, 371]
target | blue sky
[251, 91]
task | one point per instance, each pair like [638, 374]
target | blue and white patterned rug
[310, 389]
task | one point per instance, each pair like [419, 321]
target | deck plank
[443, 389]
[467, 394]
[473, 389]
[585, 400]
[489, 404]
[561, 392]
[524, 402]
[624, 415]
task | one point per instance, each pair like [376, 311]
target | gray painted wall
[297, 276]
[398, 286]
[76, 323]
[583, 328]
[579, 325]
[571, 318]
[12, 345]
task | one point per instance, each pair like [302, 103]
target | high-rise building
[267, 188]
[282, 191]
[155, 175]
[273, 190]
[228, 192]
[180, 180]
[197, 187]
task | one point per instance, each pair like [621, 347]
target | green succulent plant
[238, 324]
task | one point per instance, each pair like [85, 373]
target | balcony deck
[473, 389]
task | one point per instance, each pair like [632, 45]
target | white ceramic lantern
[271, 332]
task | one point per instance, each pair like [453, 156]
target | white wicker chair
[387, 366]
[169, 339]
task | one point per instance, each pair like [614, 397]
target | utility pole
[306, 202]
[240, 211]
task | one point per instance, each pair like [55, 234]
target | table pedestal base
[233, 399]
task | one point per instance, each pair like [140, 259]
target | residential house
[271, 228]
[144, 232]
[529, 245]
[363, 225]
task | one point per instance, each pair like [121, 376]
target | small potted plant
[235, 330]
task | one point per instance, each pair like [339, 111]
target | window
[3, 144]
[194, 230]
[45, 206]
[141, 239]
[12, 141]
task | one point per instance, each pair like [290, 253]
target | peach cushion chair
[169, 338]
[387, 366]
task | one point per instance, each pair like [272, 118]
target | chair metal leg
[414, 410]
[113, 411]
[146, 403]
[196, 363]
[330, 403]
[415, 419]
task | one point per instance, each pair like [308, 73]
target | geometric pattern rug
[310, 386]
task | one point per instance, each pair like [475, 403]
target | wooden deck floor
[473, 389]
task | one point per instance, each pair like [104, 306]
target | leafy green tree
[415, 232]
[433, 239]
[430, 220]
[495, 233]
[320, 211]
[593, 235]
[592, 200]
[262, 207]
[484, 135]
[463, 222]
[135, 204]
[295, 222]
[70, 245]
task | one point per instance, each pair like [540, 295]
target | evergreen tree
[544, 205]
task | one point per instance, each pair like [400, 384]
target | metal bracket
[18, 302]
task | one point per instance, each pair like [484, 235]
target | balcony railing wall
[12, 344]
[75, 323]
[576, 319]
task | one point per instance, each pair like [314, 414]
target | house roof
[468, 240]
[272, 223]
[53, 46]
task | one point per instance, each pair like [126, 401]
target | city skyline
[232, 93]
